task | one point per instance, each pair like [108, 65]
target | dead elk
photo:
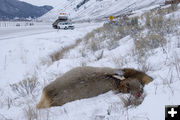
[86, 82]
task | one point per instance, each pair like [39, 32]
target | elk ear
[118, 77]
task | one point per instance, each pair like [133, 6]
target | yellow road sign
[111, 18]
[62, 13]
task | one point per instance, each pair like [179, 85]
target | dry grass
[9, 102]
[90, 35]
[176, 64]
[82, 51]
[94, 45]
[168, 81]
[144, 66]
[157, 27]
[144, 44]
[30, 113]
[115, 107]
[157, 23]
[60, 54]
[109, 35]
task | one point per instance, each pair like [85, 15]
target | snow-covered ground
[26, 53]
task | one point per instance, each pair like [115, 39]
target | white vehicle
[65, 25]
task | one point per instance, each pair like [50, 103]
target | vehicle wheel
[65, 28]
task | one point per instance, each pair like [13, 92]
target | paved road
[16, 32]
[7, 33]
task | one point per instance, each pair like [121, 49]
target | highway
[22, 31]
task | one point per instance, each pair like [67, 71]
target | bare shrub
[119, 61]
[94, 45]
[25, 87]
[168, 81]
[144, 66]
[100, 56]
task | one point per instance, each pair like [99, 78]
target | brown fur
[132, 86]
[138, 75]
[86, 82]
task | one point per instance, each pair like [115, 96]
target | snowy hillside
[34, 56]
[98, 9]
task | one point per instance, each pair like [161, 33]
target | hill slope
[97, 9]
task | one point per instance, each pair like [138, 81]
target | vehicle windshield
[65, 23]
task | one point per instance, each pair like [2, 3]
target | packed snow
[25, 53]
